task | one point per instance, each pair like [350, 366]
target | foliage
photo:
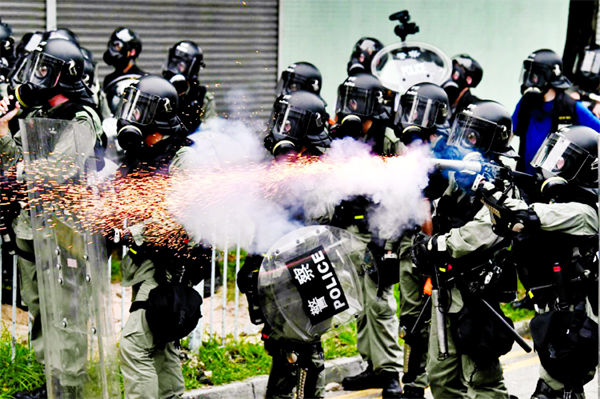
[22, 374]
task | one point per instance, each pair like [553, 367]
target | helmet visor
[181, 63]
[591, 62]
[476, 134]
[560, 157]
[421, 112]
[356, 101]
[535, 74]
[40, 69]
[137, 107]
[291, 122]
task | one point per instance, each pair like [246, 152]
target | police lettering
[411, 70]
[326, 274]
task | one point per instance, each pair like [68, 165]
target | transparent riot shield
[402, 65]
[78, 330]
[308, 281]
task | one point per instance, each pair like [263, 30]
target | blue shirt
[541, 124]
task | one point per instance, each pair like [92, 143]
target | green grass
[22, 374]
[219, 365]
[340, 342]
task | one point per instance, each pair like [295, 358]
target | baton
[508, 327]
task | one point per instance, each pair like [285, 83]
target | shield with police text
[80, 350]
[308, 281]
[402, 65]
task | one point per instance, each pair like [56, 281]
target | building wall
[499, 34]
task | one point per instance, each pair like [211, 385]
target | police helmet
[7, 43]
[151, 103]
[543, 69]
[362, 55]
[571, 154]
[300, 76]
[465, 67]
[185, 58]
[360, 95]
[121, 42]
[54, 62]
[61, 33]
[424, 105]
[485, 127]
[89, 67]
[297, 115]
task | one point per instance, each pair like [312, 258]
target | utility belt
[494, 278]
[301, 352]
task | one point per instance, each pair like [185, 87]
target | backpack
[567, 344]
[172, 311]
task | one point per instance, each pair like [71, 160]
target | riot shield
[79, 340]
[308, 281]
[402, 65]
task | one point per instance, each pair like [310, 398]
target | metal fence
[232, 320]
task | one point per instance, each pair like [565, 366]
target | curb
[256, 387]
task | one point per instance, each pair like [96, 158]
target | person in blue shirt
[545, 107]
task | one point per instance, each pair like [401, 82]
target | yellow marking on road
[513, 354]
[359, 394]
[521, 364]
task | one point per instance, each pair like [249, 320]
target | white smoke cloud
[235, 192]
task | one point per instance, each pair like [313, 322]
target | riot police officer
[361, 114]
[155, 143]
[124, 47]
[49, 85]
[362, 55]
[463, 237]
[544, 106]
[297, 128]
[466, 74]
[559, 235]
[196, 103]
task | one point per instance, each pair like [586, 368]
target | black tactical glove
[426, 255]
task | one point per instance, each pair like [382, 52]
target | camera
[405, 28]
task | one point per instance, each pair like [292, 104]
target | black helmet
[300, 76]
[465, 67]
[362, 55]
[543, 69]
[54, 62]
[297, 119]
[89, 67]
[571, 154]
[185, 58]
[423, 106]
[7, 43]
[147, 108]
[485, 127]
[360, 95]
[28, 43]
[62, 33]
[122, 41]
[587, 76]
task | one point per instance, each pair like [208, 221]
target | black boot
[38, 393]
[391, 385]
[543, 391]
[410, 392]
[365, 380]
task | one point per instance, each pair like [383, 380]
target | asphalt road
[520, 373]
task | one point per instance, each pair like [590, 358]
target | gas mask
[137, 125]
[37, 78]
[116, 55]
[289, 126]
[419, 116]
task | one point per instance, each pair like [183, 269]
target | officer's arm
[571, 218]
[477, 235]
[209, 109]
